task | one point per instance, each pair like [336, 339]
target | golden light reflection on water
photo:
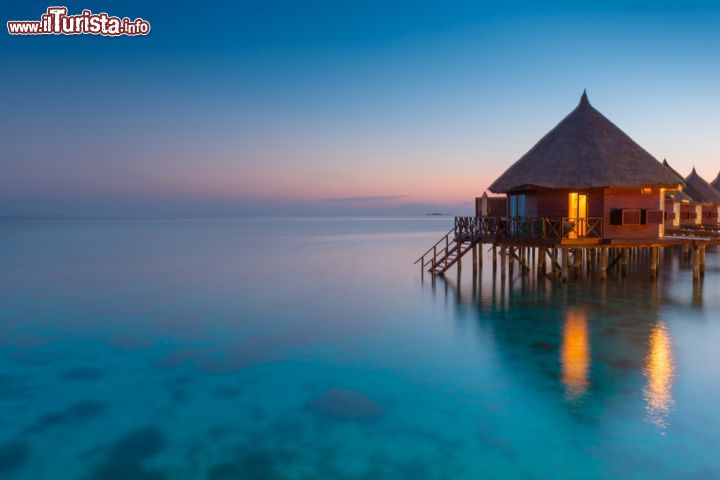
[575, 354]
[660, 371]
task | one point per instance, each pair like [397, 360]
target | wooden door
[577, 214]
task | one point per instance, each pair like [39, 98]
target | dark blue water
[310, 348]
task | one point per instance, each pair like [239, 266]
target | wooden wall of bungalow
[689, 214]
[626, 213]
[679, 214]
[672, 217]
[645, 201]
[709, 215]
[495, 206]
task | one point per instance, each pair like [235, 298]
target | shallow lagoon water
[298, 348]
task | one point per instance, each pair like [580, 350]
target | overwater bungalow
[681, 210]
[708, 198]
[700, 204]
[586, 190]
[592, 177]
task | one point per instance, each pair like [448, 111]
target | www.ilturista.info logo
[56, 21]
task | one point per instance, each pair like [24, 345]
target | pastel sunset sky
[338, 107]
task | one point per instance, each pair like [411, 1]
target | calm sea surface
[310, 348]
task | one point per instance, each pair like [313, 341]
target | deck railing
[588, 227]
[440, 250]
[541, 228]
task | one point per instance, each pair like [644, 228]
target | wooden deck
[519, 238]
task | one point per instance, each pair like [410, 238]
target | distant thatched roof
[675, 172]
[700, 190]
[716, 183]
[678, 196]
[585, 150]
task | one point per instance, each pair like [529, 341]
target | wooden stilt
[702, 259]
[654, 261]
[565, 261]
[475, 260]
[696, 263]
[697, 299]
[541, 263]
[474, 289]
[511, 261]
[603, 263]
[502, 263]
[580, 258]
[459, 258]
[520, 257]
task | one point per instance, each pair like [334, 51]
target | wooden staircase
[445, 253]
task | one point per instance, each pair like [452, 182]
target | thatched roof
[675, 172]
[585, 150]
[678, 196]
[700, 190]
[716, 183]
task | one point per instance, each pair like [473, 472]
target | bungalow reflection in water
[575, 358]
[659, 371]
[596, 350]
[575, 354]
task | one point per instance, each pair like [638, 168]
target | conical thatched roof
[700, 190]
[585, 150]
[716, 183]
[675, 172]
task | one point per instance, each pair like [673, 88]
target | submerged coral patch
[76, 413]
[253, 465]
[127, 457]
[345, 404]
[13, 456]
[139, 445]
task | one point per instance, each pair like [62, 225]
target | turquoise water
[310, 348]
